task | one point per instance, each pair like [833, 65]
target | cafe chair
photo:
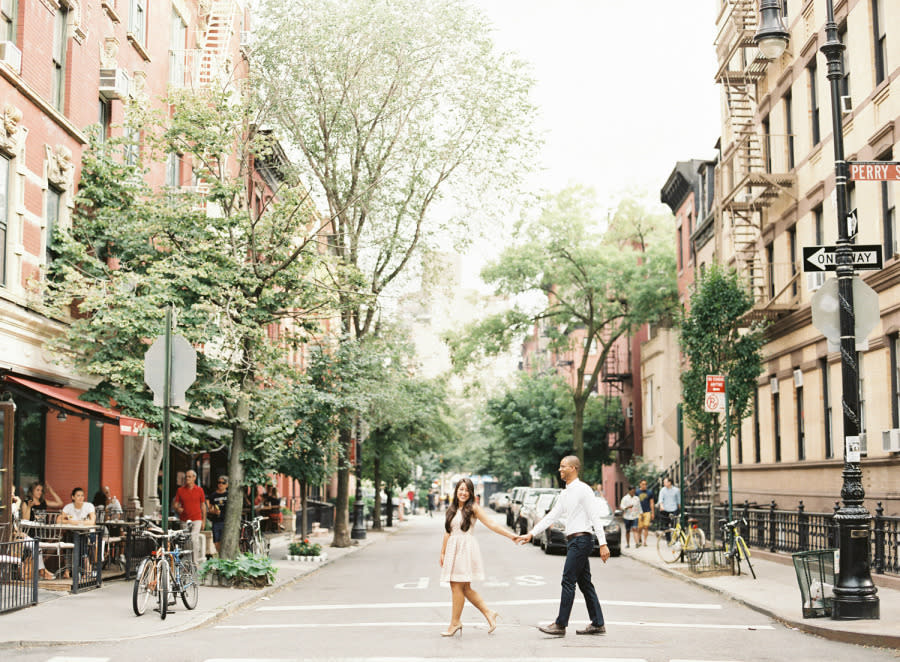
[51, 543]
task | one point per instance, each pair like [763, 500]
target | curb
[222, 612]
[843, 636]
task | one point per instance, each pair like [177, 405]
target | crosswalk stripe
[548, 601]
[78, 659]
[422, 624]
[429, 659]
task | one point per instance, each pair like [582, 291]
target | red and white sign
[715, 394]
[873, 171]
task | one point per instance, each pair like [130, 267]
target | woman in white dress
[461, 562]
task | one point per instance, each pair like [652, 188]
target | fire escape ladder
[215, 60]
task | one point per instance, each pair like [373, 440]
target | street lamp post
[358, 532]
[855, 595]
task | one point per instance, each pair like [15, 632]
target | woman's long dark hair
[467, 511]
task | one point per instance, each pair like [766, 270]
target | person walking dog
[578, 504]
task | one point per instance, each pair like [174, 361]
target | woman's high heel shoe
[492, 621]
[453, 630]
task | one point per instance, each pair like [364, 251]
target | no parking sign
[715, 394]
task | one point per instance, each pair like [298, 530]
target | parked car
[528, 501]
[554, 538]
[499, 501]
[515, 502]
[532, 513]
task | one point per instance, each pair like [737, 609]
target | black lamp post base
[358, 532]
[855, 607]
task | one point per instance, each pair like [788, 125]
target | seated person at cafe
[19, 535]
[102, 497]
[215, 509]
[79, 511]
[36, 503]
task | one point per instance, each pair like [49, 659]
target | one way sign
[824, 258]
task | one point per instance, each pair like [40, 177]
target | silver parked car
[499, 501]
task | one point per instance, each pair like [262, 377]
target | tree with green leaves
[716, 340]
[597, 285]
[231, 273]
[393, 106]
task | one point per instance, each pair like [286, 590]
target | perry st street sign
[824, 258]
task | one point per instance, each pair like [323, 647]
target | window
[177, 50]
[826, 403]
[770, 267]
[776, 419]
[879, 26]
[888, 213]
[680, 251]
[173, 169]
[844, 85]
[814, 103]
[9, 11]
[767, 142]
[818, 229]
[792, 254]
[4, 214]
[789, 128]
[54, 206]
[137, 21]
[60, 45]
[648, 405]
[862, 405]
[104, 116]
[895, 381]
[690, 233]
[131, 149]
[757, 442]
[801, 429]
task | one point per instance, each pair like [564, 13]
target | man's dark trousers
[578, 571]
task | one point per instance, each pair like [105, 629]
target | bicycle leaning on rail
[167, 572]
[676, 541]
[736, 548]
[252, 539]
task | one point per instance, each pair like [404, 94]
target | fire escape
[215, 60]
[615, 373]
[746, 181]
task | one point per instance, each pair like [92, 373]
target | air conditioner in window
[815, 280]
[11, 56]
[629, 412]
[114, 83]
[890, 440]
[798, 378]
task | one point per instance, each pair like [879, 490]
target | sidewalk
[775, 593]
[105, 614]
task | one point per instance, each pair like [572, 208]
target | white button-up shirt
[579, 505]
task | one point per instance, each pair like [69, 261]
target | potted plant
[303, 550]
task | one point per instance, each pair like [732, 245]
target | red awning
[67, 398]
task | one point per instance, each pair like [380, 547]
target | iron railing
[797, 530]
[18, 574]
[87, 559]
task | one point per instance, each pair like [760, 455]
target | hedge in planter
[246, 571]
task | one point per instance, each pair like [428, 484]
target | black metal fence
[18, 574]
[800, 531]
[87, 559]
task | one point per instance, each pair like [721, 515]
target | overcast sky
[624, 87]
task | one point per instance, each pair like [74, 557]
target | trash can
[815, 574]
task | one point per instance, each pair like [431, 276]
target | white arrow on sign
[817, 259]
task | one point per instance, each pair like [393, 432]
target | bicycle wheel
[142, 587]
[699, 536]
[668, 545]
[744, 552]
[190, 592]
[162, 584]
[693, 546]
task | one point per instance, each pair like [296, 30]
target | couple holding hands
[461, 562]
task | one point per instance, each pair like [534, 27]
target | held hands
[523, 539]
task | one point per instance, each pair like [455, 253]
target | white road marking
[78, 659]
[439, 624]
[429, 659]
[549, 601]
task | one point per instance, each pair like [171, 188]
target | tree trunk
[304, 513]
[232, 532]
[578, 430]
[342, 507]
[376, 516]
[388, 490]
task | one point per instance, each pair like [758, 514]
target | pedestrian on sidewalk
[190, 504]
[646, 516]
[215, 510]
[669, 504]
[579, 505]
[461, 562]
[631, 511]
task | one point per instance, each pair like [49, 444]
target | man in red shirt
[190, 504]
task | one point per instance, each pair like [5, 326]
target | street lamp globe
[772, 36]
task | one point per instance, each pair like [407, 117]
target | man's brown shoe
[592, 629]
[553, 629]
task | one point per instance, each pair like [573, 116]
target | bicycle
[252, 539]
[165, 574]
[736, 548]
[675, 542]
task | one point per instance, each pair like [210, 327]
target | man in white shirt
[631, 510]
[578, 504]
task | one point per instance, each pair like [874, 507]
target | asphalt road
[385, 603]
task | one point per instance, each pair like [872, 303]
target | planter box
[307, 559]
